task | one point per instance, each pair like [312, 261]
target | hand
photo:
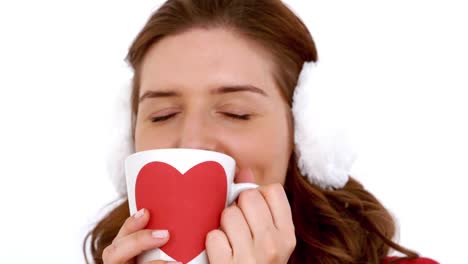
[132, 240]
[258, 229]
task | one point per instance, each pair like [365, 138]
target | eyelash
[162, 118]
[229, 115]
[238, 117]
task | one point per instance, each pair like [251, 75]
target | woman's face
[211, 89]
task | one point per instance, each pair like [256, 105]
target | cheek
[147, 138]
[141, 142]
[265, 151]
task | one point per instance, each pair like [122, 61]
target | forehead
[206, 58]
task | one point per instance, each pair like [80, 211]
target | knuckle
[247, 196]
[216, 239]
[139, 237]
[225, 214]
[271, 253]
[276, 248]
[267, 241]
[213, 236]
[290, 231]
[269, 245]
[228, 213]
[274, 189]
[290, 242]
[108, 252]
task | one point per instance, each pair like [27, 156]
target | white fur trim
[121, 141]
[325, 153]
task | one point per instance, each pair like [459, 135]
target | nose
[196, 133]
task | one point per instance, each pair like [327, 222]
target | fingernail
[139, 213]
[160, 233]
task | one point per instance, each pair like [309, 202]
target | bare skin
[212, 89]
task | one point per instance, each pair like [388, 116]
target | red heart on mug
[188, 205]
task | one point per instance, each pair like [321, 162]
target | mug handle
[237, 188]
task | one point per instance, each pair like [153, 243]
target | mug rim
[143, 152]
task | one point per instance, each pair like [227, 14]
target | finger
[235, 226]
[134, 223]
[218, 248]
[128, 247]
[277, 201]
[162, 262]
[256, 212]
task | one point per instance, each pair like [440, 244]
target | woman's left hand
[258, 229]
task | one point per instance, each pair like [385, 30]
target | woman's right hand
[132, 240]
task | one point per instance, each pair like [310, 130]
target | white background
[402, 63]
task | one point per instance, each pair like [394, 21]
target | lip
[238, 179]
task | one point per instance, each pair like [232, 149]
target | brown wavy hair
[347, 225]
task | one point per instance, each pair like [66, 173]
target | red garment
[412, 261]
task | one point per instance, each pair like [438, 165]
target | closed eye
[238, 117]
[162, 118]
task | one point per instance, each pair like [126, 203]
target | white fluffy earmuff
[323, 147]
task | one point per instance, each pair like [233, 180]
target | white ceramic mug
[185, 191]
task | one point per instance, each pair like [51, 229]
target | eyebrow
[156, 94]
[238, 88]
[218, 90]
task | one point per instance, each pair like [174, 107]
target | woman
[220, 75]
